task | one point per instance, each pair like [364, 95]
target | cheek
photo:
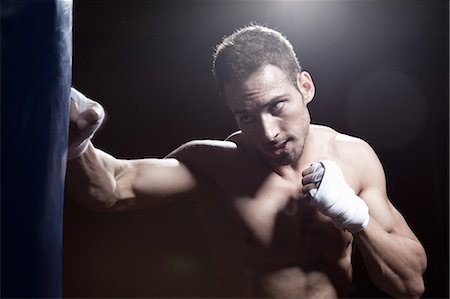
[298, 121]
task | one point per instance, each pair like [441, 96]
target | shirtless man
[283, 200]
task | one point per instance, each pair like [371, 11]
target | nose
[269, 129]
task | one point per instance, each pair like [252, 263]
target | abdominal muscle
[241, 279]
[313, 262]
[294, 282]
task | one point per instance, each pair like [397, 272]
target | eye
[276, 107]
[245, 118]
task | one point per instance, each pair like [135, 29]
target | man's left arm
[393, 255]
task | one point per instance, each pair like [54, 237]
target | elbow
[418, 290]
[413, 289]
[416, 287]
[413, 285]
[407, 289]
[403, 286]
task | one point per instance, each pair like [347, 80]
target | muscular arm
[394, 257]
[99, 181]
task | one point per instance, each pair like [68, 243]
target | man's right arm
[99, 181]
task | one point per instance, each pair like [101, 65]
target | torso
[267, 240]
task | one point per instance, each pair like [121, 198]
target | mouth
[279, 149]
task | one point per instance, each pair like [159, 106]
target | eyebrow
[271, 101]
[241, 111]
[277, 98]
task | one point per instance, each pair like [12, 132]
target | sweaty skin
[266, 239]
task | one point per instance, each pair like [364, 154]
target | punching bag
[36, 67]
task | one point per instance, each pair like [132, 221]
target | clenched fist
[325, 187]
[86, 116]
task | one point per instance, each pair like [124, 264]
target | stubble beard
[290, 158]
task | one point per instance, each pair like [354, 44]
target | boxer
[283, 201]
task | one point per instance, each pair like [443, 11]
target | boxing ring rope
[36, 73]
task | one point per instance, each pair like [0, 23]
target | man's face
[272, 113]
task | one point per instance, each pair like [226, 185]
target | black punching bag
[36, 68]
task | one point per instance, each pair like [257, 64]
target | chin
[287, 160]
[295, 155]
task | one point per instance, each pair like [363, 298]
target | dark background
[381, 73]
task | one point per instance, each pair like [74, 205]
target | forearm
[394, 262]
[91, 179]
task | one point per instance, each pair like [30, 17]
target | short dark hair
[249, 49]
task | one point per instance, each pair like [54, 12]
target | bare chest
[264, 232]
[274, 219]
[272, 239]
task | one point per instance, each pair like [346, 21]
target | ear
[306, 86]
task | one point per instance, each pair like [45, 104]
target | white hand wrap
[83, 103]
[336, 199]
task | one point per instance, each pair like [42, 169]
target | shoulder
[202, 149]
[342, 147]
[336, 141]
[205, 156]
[354, 155]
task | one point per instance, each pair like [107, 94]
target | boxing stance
[283, 201]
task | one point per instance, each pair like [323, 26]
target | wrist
[356, 217]
[76, 151]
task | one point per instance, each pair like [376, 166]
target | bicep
[373, 192]
[151, 182]
[384, 213]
